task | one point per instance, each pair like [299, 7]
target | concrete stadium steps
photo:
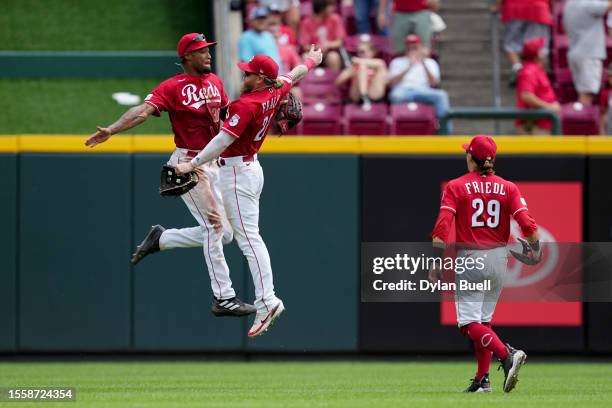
[466, 63]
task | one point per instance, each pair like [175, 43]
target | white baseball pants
[202, 199]
[477, 306]
[241, 186]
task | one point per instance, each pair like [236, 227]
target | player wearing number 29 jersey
[482, 204]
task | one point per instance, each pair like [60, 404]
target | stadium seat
[321, 119]
[380, 42]
[320, 92]
[366, 122]
[578, 119]
[413, 119]
[320, 76]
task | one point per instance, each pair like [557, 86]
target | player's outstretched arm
[212, 150]
[314, 58]
[133, 117]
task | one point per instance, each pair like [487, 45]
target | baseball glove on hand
[172, 184]
[289, 114]
[532, 253]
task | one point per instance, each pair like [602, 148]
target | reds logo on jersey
[195, 98]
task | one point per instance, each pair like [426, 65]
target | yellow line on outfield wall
[316, 144]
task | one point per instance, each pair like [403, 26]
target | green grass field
[109, 25]
[70, 105]
[311, 384]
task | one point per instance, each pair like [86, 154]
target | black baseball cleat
[149, 245]
[511, 365]
[231, 307]
[482, 385]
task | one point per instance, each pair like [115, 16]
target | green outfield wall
[71, 218]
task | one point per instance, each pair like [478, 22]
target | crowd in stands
[383, 52]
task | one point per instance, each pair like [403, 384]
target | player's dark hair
[319, 5]
[484, 166]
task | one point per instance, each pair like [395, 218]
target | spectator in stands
[533, 88]
[368, 75]
[410, 17]
[414, 78]
[286, 34]
[257, 40]
[289, 9]
[523, 20]
[288, 54]
[605, 101]
[325, 28]
[362, 9]
[583, 20]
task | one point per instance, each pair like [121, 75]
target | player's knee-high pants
[205, 197]
[477, 306]
[241, 186]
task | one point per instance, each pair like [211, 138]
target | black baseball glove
[172, 184]
[532, 253]
[289, 114]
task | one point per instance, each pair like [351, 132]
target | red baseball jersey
[482, 205]
[250, 116]
[193, 104]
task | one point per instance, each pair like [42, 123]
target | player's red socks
[486, 338]
[483, 356]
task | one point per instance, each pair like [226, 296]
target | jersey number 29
[493, 210]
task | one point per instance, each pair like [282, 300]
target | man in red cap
[194, 101]
[242, 134]
[533, 89]
[414, 77]
[481, 205]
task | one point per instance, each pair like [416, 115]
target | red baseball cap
[532, 48]
[260, 64]
[191, 42]
[412, 39]
[482, 147]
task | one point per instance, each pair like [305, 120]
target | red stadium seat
[321, 119]
[366, 122]
[380, 42]
[413, 119]
[320, 92]
[320, 76]
[578, 119]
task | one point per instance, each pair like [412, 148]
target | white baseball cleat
[263, 321]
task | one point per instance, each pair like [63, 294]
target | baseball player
[482, 204]
[248, 121]
[194, 101]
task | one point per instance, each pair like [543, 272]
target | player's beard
[246, 88]
[206, 69]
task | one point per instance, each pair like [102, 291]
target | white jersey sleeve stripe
[449, 208]
[519, 210]
[230, 132]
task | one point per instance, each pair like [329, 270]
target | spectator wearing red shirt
[533, 89]
[326, 29]
[523, 20]
[410, 17]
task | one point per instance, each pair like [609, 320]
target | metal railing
[500, 113]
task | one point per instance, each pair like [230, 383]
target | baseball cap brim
[465, 146]
[244, 66]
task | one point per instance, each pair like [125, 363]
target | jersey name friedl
[485, 187]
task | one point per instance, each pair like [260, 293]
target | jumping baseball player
[242, 134]
[482, 204]
[194, 101]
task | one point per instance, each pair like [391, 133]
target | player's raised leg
[242, 186]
